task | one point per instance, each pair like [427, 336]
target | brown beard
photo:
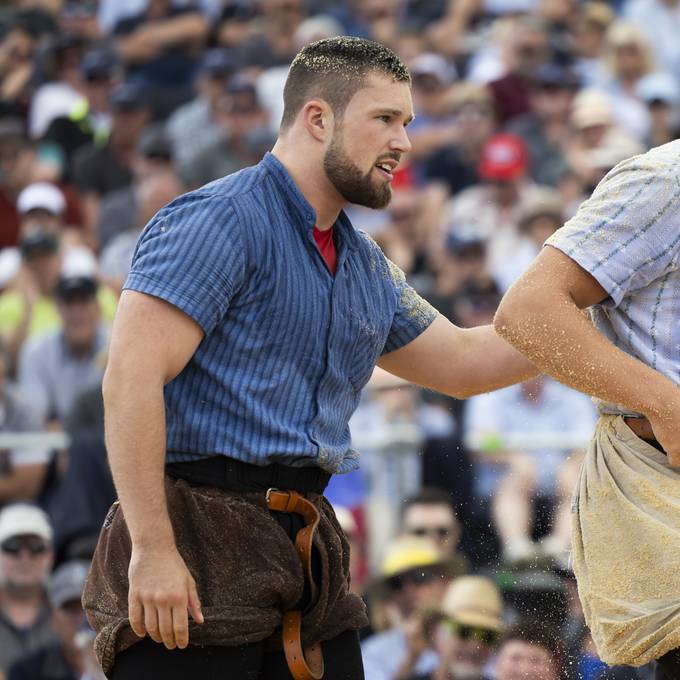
[351, 184]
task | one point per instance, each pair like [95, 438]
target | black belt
[234, 475]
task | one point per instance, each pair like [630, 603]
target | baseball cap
[155, 143]
[217, 63]
[556, 75]
[658, 87]
[41, 196]
[406, 553]
[67, 583]
[98, 63]
[474, 601]
[127, 97]
[431, 64]
[504, 157]
[591, 108]
[23, 519]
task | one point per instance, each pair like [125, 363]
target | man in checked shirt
[253, 315]
[618, 256]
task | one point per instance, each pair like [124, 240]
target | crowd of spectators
[110, 109]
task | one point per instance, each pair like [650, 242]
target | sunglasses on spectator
[440, 532]
[483, 635]
[32, 544]
[416, 577]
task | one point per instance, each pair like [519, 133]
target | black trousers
[147, 660]
[668, 666]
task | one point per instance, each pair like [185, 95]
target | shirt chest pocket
[365, 336]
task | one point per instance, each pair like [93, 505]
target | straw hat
[474, 601]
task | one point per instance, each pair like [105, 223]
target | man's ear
[318, 119]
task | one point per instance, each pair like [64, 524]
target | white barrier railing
[34, 440]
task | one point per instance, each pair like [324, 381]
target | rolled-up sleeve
[626, 233]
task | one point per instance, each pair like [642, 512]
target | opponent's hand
[162, 594]
[667, 432]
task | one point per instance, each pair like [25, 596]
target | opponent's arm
[458, 362]
[541, 316]
[151, 343]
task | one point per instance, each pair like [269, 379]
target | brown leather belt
[307, 664]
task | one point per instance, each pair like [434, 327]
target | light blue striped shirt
[627, 235]
[287, 346]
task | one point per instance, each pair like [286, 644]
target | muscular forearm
[135, 441]
[553, 332]
[486, 362]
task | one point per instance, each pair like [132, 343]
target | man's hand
[162, 594]
[666, 426]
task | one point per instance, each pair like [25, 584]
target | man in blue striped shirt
[242, 341]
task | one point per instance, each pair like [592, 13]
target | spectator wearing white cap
[25, 563]
[41, 205]
[62, 659]
[468, 630]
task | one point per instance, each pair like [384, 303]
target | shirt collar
[302, 212]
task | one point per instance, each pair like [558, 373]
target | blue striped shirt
[287, 346]
[627, 235]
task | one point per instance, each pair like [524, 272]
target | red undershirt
[326, 246]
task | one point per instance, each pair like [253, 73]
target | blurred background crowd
[459, 516]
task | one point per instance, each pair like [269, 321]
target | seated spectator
[545, 129]
[118, 210]
[22, 470]
[193, 126]
[461, 259]
[468, 631]
[151, 194]
[530, 650]
[456, 164]
[627, 59]
[526, 49]
[62, 659]
[101, 169]
[56, 367]
[245, 135]
[587, 28]
[434, 127]
[595, 131]
[159, 48]
[25, 563]
[17, 170]
[493, 207]
[415, 573]
[61, 92]
[272, 42]
[509, 477]
[431, 513]
[89, 120]
[18, 45]
[28, 308]
[661, 95]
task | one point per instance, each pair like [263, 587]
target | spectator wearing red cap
[494, 206]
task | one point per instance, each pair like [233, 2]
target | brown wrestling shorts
[246, 569]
